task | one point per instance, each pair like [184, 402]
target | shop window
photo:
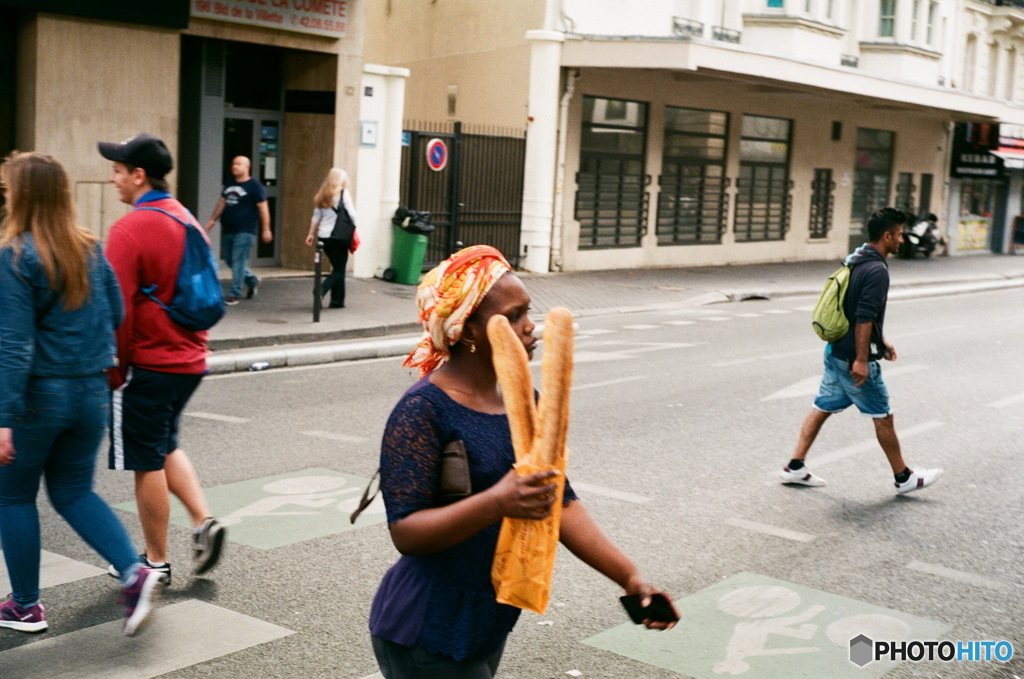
[925, 206]
[977, 201]
[691, 200]
[905, 193]
[822, 198]
[887, 18]
[611, 196]
[872, 174]
[775, 4]
[762, 190]
[933, 14]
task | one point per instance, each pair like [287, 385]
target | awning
[1013, 158]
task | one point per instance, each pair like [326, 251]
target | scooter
[922, 237]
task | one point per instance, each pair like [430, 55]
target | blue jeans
[237, 247]
[57, 438]
[838, 392]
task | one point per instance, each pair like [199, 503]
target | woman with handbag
[334, 223]
[435, 614]
[59, 307]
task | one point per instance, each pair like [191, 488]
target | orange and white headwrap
[447, 296]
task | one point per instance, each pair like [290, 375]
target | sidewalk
[379, 319]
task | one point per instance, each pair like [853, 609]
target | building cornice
[895, 47]
[787, 21]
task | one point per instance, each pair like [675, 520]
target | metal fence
[476, 195]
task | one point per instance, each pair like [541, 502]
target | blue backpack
[198, 302]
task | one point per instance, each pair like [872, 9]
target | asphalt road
[680, 418]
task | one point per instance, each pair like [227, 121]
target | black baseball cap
[143, 150]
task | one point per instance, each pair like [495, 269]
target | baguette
[512, 366]
[556, 381]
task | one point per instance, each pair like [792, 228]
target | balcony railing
[1006, 3]
[849, 60]
[687, 28]
[725, 34]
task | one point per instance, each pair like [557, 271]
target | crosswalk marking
[604, 491]
[959, 576]
[1008, 401]
[180, 635]
[608, 383]
[809, 386]
[217, 417]
[333, 436]
[770, 530]
[871, 444]
[55, 569]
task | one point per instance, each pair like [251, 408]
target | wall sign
[437, 154]
[319, 17]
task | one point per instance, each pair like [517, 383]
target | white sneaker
[801, 476]
[921, 478]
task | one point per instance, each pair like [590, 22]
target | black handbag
[455, 482]
[344, 227]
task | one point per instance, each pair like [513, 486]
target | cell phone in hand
[659, 610]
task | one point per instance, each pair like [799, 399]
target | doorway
[257, 136]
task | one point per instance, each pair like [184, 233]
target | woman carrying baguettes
[435, 613]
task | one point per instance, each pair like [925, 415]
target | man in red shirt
[160, 363]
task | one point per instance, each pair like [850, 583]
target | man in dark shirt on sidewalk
[852, 374]
[243, 211]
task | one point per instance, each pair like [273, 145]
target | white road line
[749, 315]
[804, 308]
[679, 322]
[778, 312]
[180, 635]
[608, 383]
[639, 326]
[768, 357]
[375, 675]
[958, 576]
[332, 436]
[809, 386]
[770, 530]
[55, 569]
[871, 444]
[219, 418]
[717, 319]
[599, 331]
[1007, 402]
[609, 492]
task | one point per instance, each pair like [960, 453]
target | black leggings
[336, 251]
[402, 662]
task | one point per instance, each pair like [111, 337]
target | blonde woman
[334, 223]
[58, 311]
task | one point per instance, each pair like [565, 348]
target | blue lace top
[443, 601]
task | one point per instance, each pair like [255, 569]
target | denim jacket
[39, 337]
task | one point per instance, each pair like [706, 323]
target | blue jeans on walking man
[237, 247]
[57, 439]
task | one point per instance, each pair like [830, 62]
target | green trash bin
[407, 253]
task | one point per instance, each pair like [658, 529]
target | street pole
[318, 259]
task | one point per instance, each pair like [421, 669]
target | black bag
[344, 227]
[455, 482]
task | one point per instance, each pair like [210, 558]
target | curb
[388, 345]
